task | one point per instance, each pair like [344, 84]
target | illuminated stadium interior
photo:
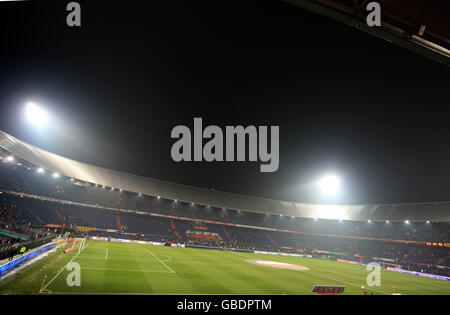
[244, 150]
[34, 197]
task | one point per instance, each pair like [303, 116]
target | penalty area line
[159, 260]
[53, 279]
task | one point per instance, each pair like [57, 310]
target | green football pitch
[122, 268]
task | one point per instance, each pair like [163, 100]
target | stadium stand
[35, 205]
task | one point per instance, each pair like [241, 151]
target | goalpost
[73, 242]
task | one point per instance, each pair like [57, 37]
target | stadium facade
[417, 212]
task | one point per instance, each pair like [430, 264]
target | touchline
[213, 149]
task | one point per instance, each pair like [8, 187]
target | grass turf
[121, 268]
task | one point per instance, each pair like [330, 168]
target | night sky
[346, 102]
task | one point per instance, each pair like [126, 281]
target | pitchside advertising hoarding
[26, 257]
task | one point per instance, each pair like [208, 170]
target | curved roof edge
[436, 212]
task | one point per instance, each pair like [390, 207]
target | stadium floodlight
[10, 158]
[329, 184]
[369, 221]
[158, 197]
[35, 115]
[407, 221]
[428, 221]
[387, 221]
[55, 175]
[40, 170]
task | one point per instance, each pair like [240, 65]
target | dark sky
[345, 101]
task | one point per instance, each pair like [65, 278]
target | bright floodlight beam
[329, 184]
[35, 115]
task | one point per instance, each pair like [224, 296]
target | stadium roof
[435, 212]
[421, 26]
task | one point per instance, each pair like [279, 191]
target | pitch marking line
[145, 293]
[126, 270]
[162, 262]
[81, 245]
[106, 257]
[170, 258]
[48, 283]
